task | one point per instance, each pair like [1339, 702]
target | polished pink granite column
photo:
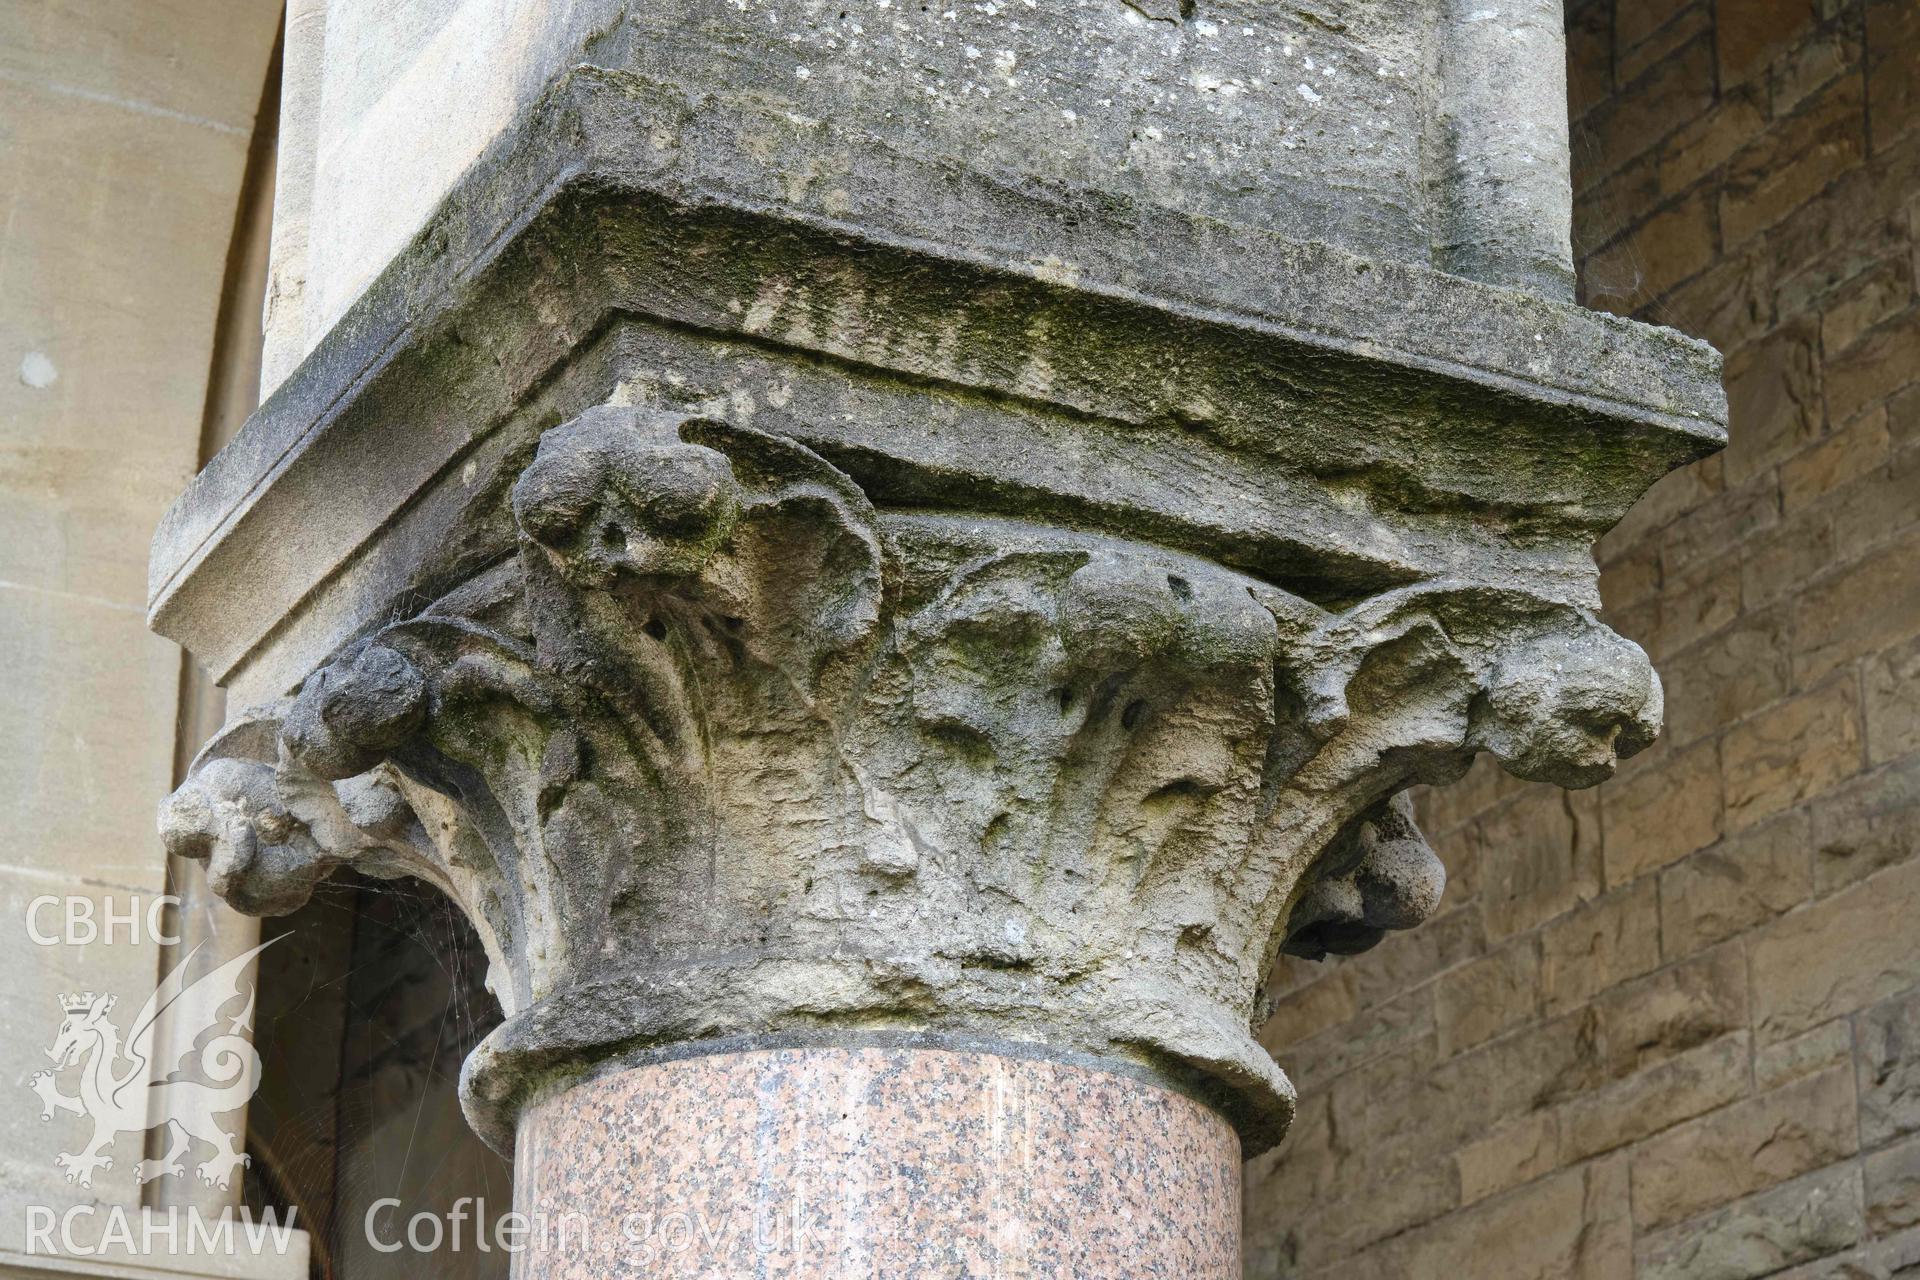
[830, 1163]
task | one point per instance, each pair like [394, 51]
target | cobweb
[368, 1008]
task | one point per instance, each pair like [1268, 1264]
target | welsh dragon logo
[122, 1093]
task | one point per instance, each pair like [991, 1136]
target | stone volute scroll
[887, 659]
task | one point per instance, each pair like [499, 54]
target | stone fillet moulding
[773, 623]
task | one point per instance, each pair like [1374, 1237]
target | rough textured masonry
[869, 544]
[1670, 1027]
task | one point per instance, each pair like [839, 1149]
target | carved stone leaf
[724, 750]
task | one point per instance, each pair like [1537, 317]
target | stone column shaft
[895, 1159]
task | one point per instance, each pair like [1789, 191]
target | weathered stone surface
[1803, 974]
[1875, 367]
[1309, 1011]
[843, 599]
[1589, 52]
[1732, 300]
[1773, 586]
[1604, 943]
[1662, 811]
[1401, 1028]
[1669, 1012]
[1827, 1045]
[1393, 1191]
[1703, 146]
[1871, 823]
[1892, 681]
[1540, 860]
[1735, 673]
[1879, 502]
[1876, 294]
[1750, 37]
[1703, 599]
[1893, 1258]
[1775, 388]
[1673, 90]
[1798, 1220]
[1404, 959]
[1888, 1040]
[1666, 250]
[1479, 1001]
[1571, 1225]
[1649, 1099]
[1893, 1187]
[1735, 884]
[1786, 167]
[1688, 22]
[1694, 546]
[1893, 28]
[1450, 808]
[1745, 1147]
[1792, 751]
[1518, 1151]
[1636, 22]
[1464, 1097]
[1779, 561]
[1312, 121]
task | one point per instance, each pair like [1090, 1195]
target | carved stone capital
[788, 583]
[719, 749]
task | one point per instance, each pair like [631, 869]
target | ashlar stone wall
[1671, 1028]
[125, 132]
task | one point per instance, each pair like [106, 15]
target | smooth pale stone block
[75, 541]
[419, 90]
[94, 696]
[138, 56]
[100, 1256]
[110, 275]
[30, 1008]
[1305, 123]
